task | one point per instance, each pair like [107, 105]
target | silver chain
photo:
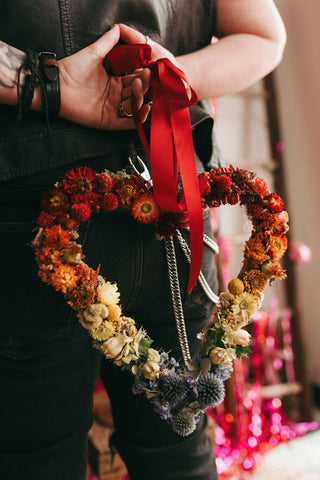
[176, 299]
[175, 288]
[203, 282]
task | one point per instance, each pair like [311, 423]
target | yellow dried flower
[114, 313]
[244, 306]
[236, 286]
[103, 332]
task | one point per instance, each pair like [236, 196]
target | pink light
[277, 363]
[270, 341]
[276, 418]
[275, 429]
[273, 441]
[257, 431]
[248, 463]
[253, 442]
[276, 403]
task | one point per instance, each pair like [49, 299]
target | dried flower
[64, 278]
[242, 337]
[109, 202]
[80, 184]
[56, 237]
[145, 209]
[113, 347]
[103, 332]
[244, 306]
[93, 315]
[151, 370]
[279, 244]
[107, 293]
[254, 281]
[55, 201]
[114, 313]
[80, 211]
[222, 356]
[274, 202]
[184, 423]
[235, 286]
[210, 390]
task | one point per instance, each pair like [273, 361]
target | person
[48, 366]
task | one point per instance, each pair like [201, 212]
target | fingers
[128, 80]
[107, 41]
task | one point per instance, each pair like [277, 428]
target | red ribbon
[171, 145]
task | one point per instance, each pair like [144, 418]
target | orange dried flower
[278, 246]
[56, 237]
[81, 297]
[255, 250]
[260, 187]
[254, 281]
[64, 278]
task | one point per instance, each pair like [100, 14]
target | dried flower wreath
[178, 394]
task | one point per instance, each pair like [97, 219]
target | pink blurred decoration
[299, 253]
[258, 422]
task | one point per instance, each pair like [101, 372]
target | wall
[298, 83]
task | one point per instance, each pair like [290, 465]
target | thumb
[107, 41]
[129, 35]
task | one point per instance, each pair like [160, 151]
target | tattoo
[10, 61]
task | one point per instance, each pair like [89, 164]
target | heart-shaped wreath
[178, 393]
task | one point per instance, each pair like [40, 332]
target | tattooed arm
[10, 60]
[89, 96]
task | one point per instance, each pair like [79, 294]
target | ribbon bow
[171, 146]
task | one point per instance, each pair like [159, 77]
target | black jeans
[48, 368]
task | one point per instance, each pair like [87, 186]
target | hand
[129, 35]
[90, 97]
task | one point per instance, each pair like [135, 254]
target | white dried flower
[153, 355]
[222, 356]
[242, 337]
[113, 347]
[107, 293]
[151, 370]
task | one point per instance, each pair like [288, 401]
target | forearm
[231, 64]
[11, 60]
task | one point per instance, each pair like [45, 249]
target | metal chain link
[176, 299]
[203, 282]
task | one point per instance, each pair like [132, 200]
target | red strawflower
[233, 198]
[145, 209]
[109, 202]
[55, 201]
[67, 222]
[274, 202]
[103, 183]
[220, 184]
[254, 210]
[44, 219]
[206, 189]
[80, 211]
[80, 184]
[260, 187]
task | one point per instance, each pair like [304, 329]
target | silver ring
[149, 41]
[122, 111]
